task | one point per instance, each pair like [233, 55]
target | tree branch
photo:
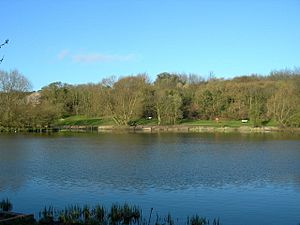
[4, 43]
[1, 45]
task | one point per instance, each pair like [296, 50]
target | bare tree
[125, 98]
[13, 88]
[284, 104]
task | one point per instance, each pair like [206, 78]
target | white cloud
[63, 54]
[98, 57]
[93, 57]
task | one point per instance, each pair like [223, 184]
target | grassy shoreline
[104, 121]
[82, 123]
[102, 124]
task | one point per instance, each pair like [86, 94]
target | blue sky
[85, 41]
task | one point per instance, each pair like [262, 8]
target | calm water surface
[240, 178]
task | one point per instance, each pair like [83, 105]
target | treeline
[171, 98]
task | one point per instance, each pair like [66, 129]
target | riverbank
[83, 124]
[154, 129]
[177, 129]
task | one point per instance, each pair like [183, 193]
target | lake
[242, 179]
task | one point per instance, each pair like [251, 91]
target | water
[240, 178]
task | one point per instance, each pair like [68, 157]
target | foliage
[172, 98]
[167, 98]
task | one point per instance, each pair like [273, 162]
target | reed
[47, 215]
[124, 214]
[6, 205]
[197, 220]
[99, 213]
[116, 215]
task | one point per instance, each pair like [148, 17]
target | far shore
[181, 128]
[178, 129]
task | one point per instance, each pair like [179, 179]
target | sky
[77, 42]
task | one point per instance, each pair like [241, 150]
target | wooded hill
[171, 98]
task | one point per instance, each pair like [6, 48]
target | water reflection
[241, 178]
[143, 161]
